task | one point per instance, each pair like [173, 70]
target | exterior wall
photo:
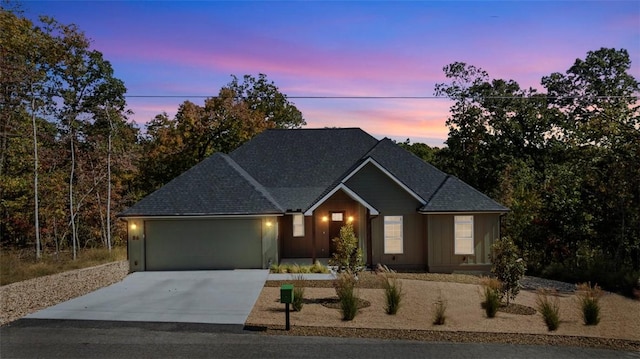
[440, 228]
[339, 202]
[135, 245]
[295, 247]
[196, 244]
[270, 231]
[390, 199]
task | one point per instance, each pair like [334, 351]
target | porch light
[350, 219]
[268, 223]
[325, 218]
[133, 226]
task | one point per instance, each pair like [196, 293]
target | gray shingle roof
[215, 186]
[456, 196]
[296, 166]
[280, 171]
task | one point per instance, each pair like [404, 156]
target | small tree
[508, 267]
[347, 256]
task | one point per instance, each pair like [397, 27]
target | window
[336, 217]
[393, 235]
[298, 225]
[463, 229]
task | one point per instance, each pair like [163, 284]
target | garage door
[203, 244]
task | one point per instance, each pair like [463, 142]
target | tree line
[563, 159]
[71, 158]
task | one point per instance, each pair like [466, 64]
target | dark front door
[336, 221]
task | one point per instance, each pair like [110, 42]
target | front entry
[336, 221]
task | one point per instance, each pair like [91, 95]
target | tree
[422, 150]
[54, 87]
[508, 267]
[348, 255]
[239, 112]
[264, 97]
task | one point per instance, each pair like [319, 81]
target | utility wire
[541, 96]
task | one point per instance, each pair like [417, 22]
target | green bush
[589, 301]
[439, 309]
[317, 267]
[345, 289]
[549, 308]
[347, 256]
[491, 303]
[393, 294]
[508, 267]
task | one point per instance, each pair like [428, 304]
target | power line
[541, 96]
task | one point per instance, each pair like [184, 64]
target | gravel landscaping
[26, 297]
[465, 322]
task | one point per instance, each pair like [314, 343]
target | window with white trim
[393, 235]
[463, 232]
[298, 225]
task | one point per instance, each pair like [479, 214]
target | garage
[201, 244]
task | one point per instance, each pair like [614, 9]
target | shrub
[492, 287]
[508, 267]
[317, 267]
[549, 308]
[298, 292]
[589, 301]
[345, 289]
[439, 308]
[347, 256]
[393, 294]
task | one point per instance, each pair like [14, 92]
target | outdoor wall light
[325, 218]
[133, 226]
[350, 219]
[268, 223]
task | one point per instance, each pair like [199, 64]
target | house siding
[390, 199]
[338, 202]
[440, 229]
[295, 247]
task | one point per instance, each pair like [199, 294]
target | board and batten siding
[390, 199]
[440, 228]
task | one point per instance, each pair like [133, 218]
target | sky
[186, 49]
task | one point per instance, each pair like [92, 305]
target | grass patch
[589, 301]
[393, 294]
[16, 266]
[298, 292]
[345, 286]
[317, 267]
[491, 292]
[547, 303]
[439, 309]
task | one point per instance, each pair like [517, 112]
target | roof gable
[421, 177]
[298, 166]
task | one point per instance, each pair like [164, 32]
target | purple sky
[185, 48]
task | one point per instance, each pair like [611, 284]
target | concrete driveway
[210, 297]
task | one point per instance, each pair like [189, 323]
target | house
[287, 193]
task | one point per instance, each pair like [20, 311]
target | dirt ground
[620, 316]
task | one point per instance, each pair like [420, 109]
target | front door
[336, 221]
